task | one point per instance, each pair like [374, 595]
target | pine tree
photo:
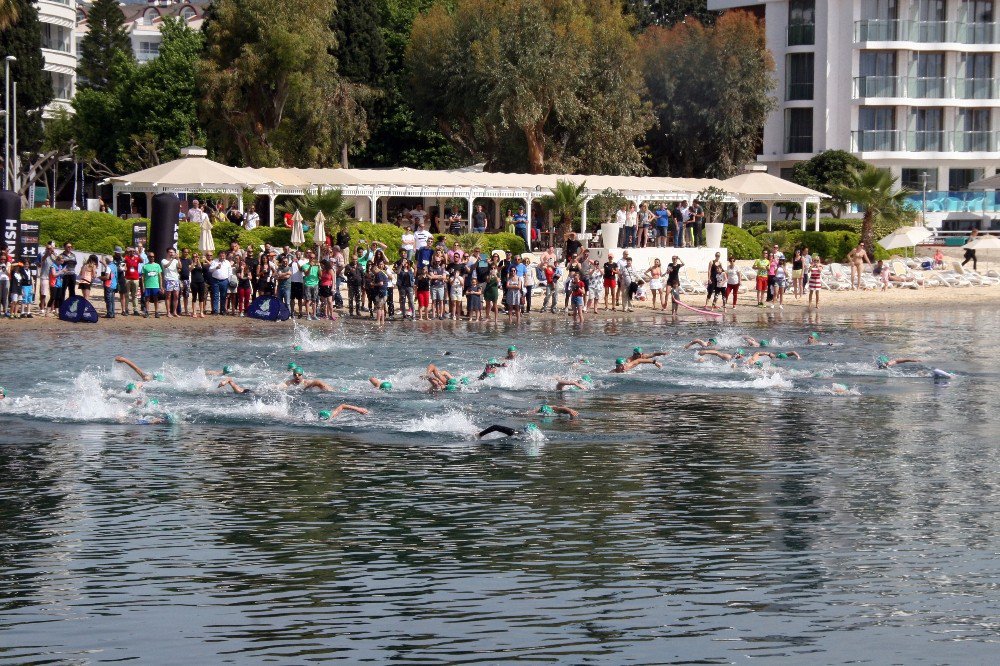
[105, 37]
[23, 40]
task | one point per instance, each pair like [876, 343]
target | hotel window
[959, 179]
[974, 130]
[877, 128]
[975, 80]
[927, 78]
[931, 21]
[877, 71]
[975, 22]
[928, 130]
[801, 22]
[798, 130]
[913, 179]
[799, 73]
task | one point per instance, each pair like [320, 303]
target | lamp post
[923, 206]
[6, 121]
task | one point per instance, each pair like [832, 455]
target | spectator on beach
[88, 275]
[68, 271]
[479, 220]
[45, 264]
[109, 280]
[220, 270]
[152, 283]
[252, 219]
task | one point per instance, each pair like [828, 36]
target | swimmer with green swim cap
[698, 342]
[813, 338]
[326, 414]
[143, 375]
[528, 430]
[622, 365]
[231, 383]
[511, 353]
[570, 385]
[550, 410]
[298, 379]
[638, 354]
[451, 385]
[132, 387]
[491, 368]
[381, 385]
[882, 362]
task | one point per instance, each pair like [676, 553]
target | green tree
[105, 39]
[271, 94]
[332, 203]
[825, 172]
[536, 85]
[874, 191]
[8, 13]
[565, 203]
[670, 12]
[23, 40]
[711, 90]
[150, 110]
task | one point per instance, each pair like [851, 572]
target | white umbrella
[905, 237]
[319, 231]
[298, 236]
[984, 243]
[205, 242]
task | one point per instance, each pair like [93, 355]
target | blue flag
[268, 308]
[77, 309]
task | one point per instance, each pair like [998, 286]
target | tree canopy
[874, 191]
[532, 85]
[105, 39]
[670, 12]
[271, 93]
[826, 172]
[711, 90]
[23, 40]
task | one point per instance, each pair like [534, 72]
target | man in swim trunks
[637, 354]
[299, 380]
[882, 362]
[622, 365]
[326, 415]
[698, 342]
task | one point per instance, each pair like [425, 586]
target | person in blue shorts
[152, 282]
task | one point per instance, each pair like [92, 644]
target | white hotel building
[58, 19]
[911, 85]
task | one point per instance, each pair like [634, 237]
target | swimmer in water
[622, 365]
[882, 362]
[774, 355]
[528, 430]
[511, 353]
[491, 368]
[3, 393]
[226, 370]
[698, 342]
[441, 375]
[813, 339]
[753, 342]
[549, 410]
[236, 387]
[840, 389]
[326, 415]
[145, 376]
[637, 354]
[570, 385]
[298, 379]
[381, 384]
[723, 355]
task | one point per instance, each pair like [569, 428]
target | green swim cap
[511, 348]
[712, 341]
[227, 369]
[586, 378]
[452, 381]
[739, 351]
[530, 427]
[158, 376]
[324, 415]
[636, 350]
[3, 391]
[292, 365]
[758, 364]
[585, 361]
[619, 361]
[385, 386]
[763, 343]
[882, 361]
[781, 355]
[492, 361]
[814, 335]
[546, 409]
[152, 402]
[464, 381]
[297, 348]
[130, 387]
[451, 387]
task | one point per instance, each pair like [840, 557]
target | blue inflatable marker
[268, 308]
[77, 309]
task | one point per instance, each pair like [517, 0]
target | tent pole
[805, 212]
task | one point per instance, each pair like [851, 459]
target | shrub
[88, 231]
[831, 245]
[739, 244]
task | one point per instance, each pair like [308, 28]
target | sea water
[697, 512]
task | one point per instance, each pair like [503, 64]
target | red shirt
[579, 289]
[550, 274]
[132, 267]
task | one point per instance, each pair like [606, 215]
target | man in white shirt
[418, 214]
[194, 213]
[220, 269]
[298, 292]
[408, 243]
[252, 220]
[421, 236]
[171, 280]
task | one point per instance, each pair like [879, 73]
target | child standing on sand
[815, 282]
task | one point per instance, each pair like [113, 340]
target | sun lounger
[975, 278]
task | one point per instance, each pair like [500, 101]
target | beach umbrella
[298, 236]
[984, 243]
[905, 237]
[78, 309]
[205, 241]
[319, 231]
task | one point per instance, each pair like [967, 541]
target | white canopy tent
[757, 185]
[194, 173]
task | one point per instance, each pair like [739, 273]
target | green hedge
[831, 245]
[739, 244]
[101, 232]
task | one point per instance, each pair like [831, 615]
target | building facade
[58, 19]
[911, 85]
[143, 21]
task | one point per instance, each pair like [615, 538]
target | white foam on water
[450, 421]
[313, 340]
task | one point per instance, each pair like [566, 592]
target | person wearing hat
[553, 410]
[381, 384]
[511, 353]
[711, 342]
[623, 365]
[326, 415]
[298, 379]
[637, 353]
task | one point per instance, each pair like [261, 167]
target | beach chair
[977, 279]
[905, 276]
[747, 273]
[691, 281]
[839, 278]
[950, 279]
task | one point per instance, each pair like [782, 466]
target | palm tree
[8, 13]
[873, 189]
[565, 202]
[332, 202]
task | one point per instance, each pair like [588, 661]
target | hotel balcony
[917, 87]
[913, 141]
[925, 32]
[965, 201]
